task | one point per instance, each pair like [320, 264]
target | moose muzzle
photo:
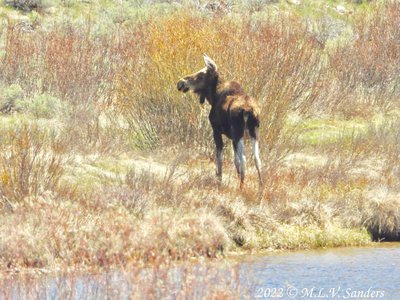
[182, 86]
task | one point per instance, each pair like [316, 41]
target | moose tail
[250, 116]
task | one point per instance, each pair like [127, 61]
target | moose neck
[211, 93]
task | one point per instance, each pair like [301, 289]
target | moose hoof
[241, 185]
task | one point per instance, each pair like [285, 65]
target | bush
[30, 163]
[29, 5]
[43, 106]
[26, 5]
[9, 96]
[367, 67]
[64, 61]
[69, 68]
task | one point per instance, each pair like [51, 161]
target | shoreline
[232, 257]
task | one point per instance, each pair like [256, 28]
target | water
[345, 273]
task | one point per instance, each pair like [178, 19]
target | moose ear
[211, 65]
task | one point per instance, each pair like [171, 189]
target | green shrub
[26, 5]
[8, 96]
[42, 106]
[29, 5]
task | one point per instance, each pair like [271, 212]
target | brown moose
[232, 113]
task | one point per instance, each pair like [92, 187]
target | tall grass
[367, 66]
[64, 61]
[30, 164]
[68, 63]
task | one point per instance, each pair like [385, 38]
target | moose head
[202, 82]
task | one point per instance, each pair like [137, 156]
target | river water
[343, 273]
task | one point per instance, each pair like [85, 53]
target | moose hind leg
[256, 154]
[237, 133]
[236, 157]
[253, 131]
[240, 161]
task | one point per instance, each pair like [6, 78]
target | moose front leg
[219, 145]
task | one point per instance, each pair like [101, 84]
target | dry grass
[157, 220]
[366, 66]
[30, 163]
[70, 195]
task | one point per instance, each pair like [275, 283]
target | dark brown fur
[232, 112]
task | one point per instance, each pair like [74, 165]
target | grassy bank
[103, 163]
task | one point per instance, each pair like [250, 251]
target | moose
[232, 113]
